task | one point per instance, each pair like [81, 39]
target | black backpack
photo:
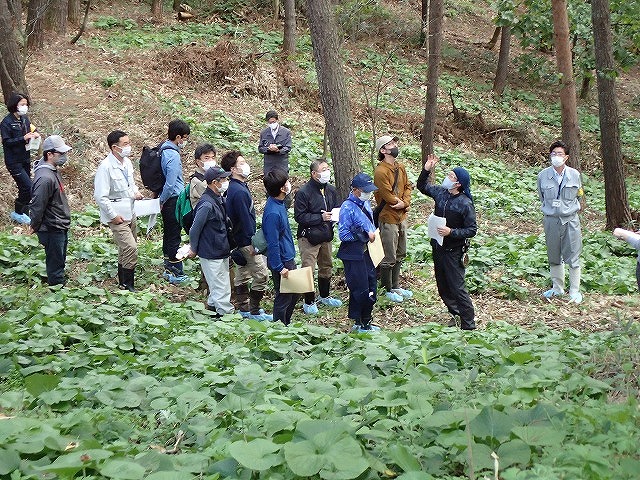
[151, 168]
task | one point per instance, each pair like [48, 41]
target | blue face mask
[448, 183]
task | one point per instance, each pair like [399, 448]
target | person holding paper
[312, 211]
[17, 133]
[559, 189]
[49, 208]
[281, 251]
[274, 144]
[454, 202]
[356, 230]
[208, 239]
[114, 190]
[392, 197]
[633, 239]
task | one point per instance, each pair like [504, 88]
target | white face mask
[245, 170]
[208, 164]
[557, 160]
[125, 151]
[365, 196]
[183, 144]
[223, 187]
[448, 183]
[23, 109]
[273, 126]
[324, 177]
[287, 188]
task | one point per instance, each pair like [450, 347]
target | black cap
[215, 173]
[271, 114]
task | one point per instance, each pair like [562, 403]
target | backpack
[151, 168]
[259, 242]
[184, 210]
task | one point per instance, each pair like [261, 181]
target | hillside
[222, 76]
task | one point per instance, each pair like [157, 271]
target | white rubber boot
[557, 277]
[574, 285]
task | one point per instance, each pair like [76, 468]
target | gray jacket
[279, 159]
[559, 200]
[49, 208]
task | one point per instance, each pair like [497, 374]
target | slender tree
[156, 10]
[333, 92]
[568, 104]
[12, 76]
[289, 37]
[436, 15]
[500, 82]
[616, 201]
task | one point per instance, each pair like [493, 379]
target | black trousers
[171, 234]
[283, 303]
[449, 274]
[55, 249]
[638, 275]
[21, 173]
[360, 276]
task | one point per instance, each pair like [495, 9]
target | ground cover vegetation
[98, 383]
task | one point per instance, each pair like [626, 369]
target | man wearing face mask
[312, 211]
[392, 198]
[114, 191]
[356, 230]
[205, 156]
[454, 202]
[559, 189]
[209, 240]
[242, 214]
[171, 163]
[274, 144]
[49, 208]
[281, 251]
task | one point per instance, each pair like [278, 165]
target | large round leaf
[258, 454]
[122, 469]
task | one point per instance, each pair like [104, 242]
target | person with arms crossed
[454, 202]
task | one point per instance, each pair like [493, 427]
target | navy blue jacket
[310, 199]
[208, 234]
[277, 233]
[241, 212]
[457, 209]
[13, 131]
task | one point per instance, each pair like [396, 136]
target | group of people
[222, 221]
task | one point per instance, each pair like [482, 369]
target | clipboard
[376, 250]
[299, 280]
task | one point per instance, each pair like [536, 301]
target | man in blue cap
[454, 202]
[356, 230]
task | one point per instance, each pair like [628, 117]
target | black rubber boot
[255, 297]
[128, 275]
[395, 275]
[120, 281]
[324, 286]
[385, 278]
[242, 297]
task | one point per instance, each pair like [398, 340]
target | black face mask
[394, 152]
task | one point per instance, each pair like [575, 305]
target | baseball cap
[215, 173]
[383, 140]
[363, 182]
[55, 142]
[271, 114]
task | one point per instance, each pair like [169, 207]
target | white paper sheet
[335, 214]
[146, 207]
[123, 208]
[433, 223]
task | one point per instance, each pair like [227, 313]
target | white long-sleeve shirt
[113, 181]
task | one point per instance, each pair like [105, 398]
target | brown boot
[242, 298]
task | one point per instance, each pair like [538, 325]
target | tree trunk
[585, 88]
[424, 22]
[176, 5]
[73, 12]
[36, 13]
[436, 15]
[156, 10]
[289, 39]
[494, 39]
[11, 67]
[333, 93]
[56, 17]
[502, 71]
[276, 10]
[85, 20]
[568, 105]
[615, 190]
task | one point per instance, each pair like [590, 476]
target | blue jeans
[55, 248]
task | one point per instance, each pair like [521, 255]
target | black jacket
[13, 131]
[49, 208]
[457, 209]
[311, 199]
[208, 234]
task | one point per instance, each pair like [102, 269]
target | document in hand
[146, 207]
[299, 280]
[335, 214]
[433, 224]
[376, 250]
